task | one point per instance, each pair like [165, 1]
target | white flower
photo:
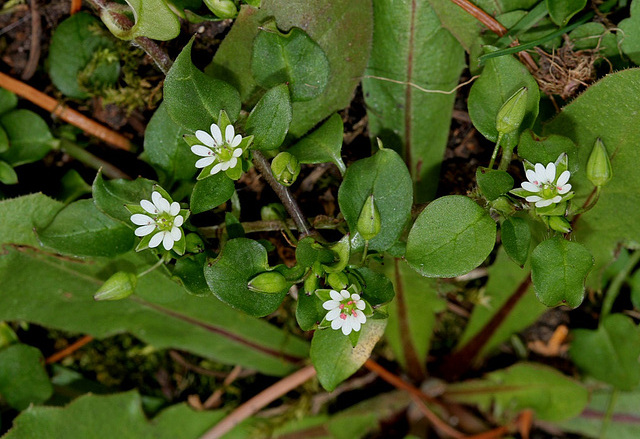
[224, 153]
[163, 221]
[345, 311]
[545, 189]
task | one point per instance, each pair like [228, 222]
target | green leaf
[29, 137]
[153, 19]
[82, 57]
[80, 229]
[609, 353]
[72, 186]
[450, 237]
[493, 182]
[8, 101]
[110, 196]
[228, 277]
[343, 32]
[308, 252]
[166, 149]
[558, 271]
[385, 176]
[189, 272]
[4, 140]
[411, 46]
[193, 99]
[516, 239]
[546, 150]
[19, 216]
[211, 192]
[377, 288]
[322, 145]
[292, 58]
[629, 35]
[23, 379]
[500, 79]
[562, 11]
[108, 416]
[7, 174]
[335, 359]
[309, 310]
[550, 394]
[270, 119]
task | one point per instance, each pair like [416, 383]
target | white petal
[531, 176]
[563, 179]
[148, 206]
[232, 162]
[203, 163]
[355, 325]
[355, 297]
[216, 168]
[202, 151]
[217, 134]
[564, 189]
[224, 166]
[145, 230]
[346, 327]
[176, 234]
[140, 219]
[541, 172]
[337, 323]
[530, 187]
[333, 314]
[236, 140]
[160, 202]
[345, 294]
[167, 241]
[174, 209]
[360, 317]
[556, 199]
[205, 138]
[229, 133]
[335, 295]
[533, 198]
[156, 239]
[331, 304]
[544, 203]
[177, 221]
[551, 172]
[360, 304]
[237, 152]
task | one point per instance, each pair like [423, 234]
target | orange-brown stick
[69, 115]
[69, 350]
[76, 5]
[491, 23]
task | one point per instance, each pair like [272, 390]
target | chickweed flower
[345, 311]
[546, 185]
[224, 153]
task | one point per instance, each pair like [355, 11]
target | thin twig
[69, 350]
[84, 156]
[322, 222]
[259, 401]
[422, 89]
[262, 165]
[76, 5]
[69, 115]
[34, 49]
[216, 397]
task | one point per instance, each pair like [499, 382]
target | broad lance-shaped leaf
[322, 145]
[23, 379]
[161, 313]
[558, 271]
[411, 48]
[384, 176]
[153, 19]
[110, 416]
[550, 394]
[333, 356]
[607, 110]
[341, 29]
[194, 100]
[610, 353]
[450, 237]
[270, 119]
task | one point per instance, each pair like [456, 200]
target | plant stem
[609, 413]
[319, 222]
[262, 165]
[614, 288]
[495, 152]
[153, 267]
[84, 156]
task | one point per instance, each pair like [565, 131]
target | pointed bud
[559, 224]
[369, 220]
[599, 170]
[268, 282]
[512, 112]
[118, 286]
[222, 8]
[285, 168]
[338, 281]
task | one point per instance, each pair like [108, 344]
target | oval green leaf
[211, 192]
[29, 137]
[493, 182]
[516, 239]
[23, 379]
[270, 119]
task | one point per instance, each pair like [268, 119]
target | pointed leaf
[111, 196]
[211, 192]
[23, 379]
[322, 145]
[269, 120]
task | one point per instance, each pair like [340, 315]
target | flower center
[548, 191]
[225, 152]
[347, 306]
[164, 221]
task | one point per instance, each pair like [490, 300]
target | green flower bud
[222, 8]
[503, 205]
[599, 170]
[559, 224]
[7, 336]
[311, 283]
[512, 112]
[268, 282]
[285, 168]
[118, 286]
[194, 244]
[338, 281]
[272, 212]
[369, 220]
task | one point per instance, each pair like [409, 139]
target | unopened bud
[559, 224]
[338, 281]
[118, 286]
[194, 244]
[599, 170]
[222, 8]
[369, 220]
[268, 282]
[285, 168]
[512, 112]
[311, 283]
